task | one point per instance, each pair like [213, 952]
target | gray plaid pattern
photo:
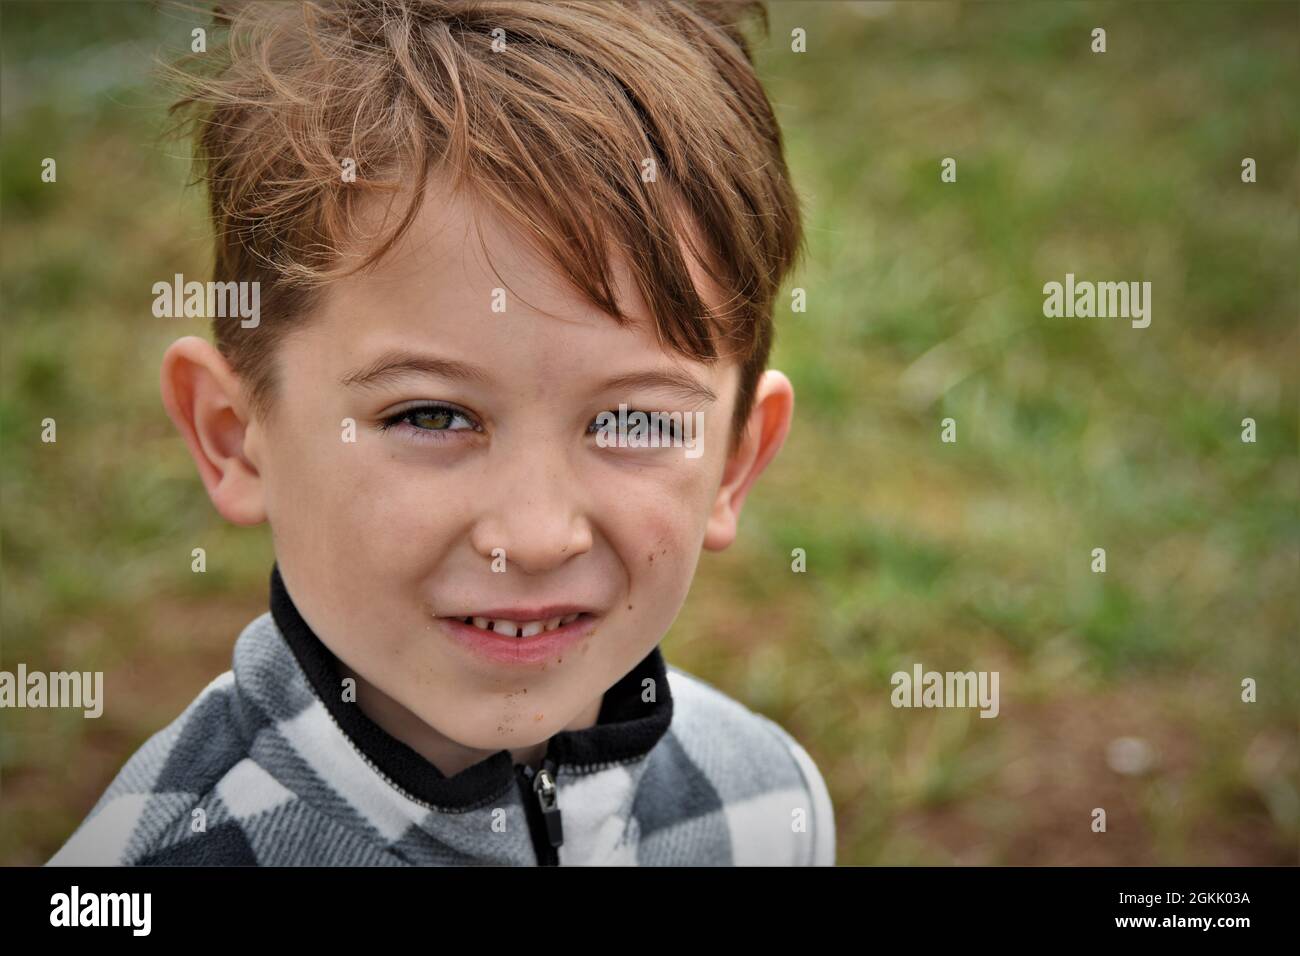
[280, 784]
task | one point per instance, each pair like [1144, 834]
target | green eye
[671, 429]
[435, 419]
[428, 420]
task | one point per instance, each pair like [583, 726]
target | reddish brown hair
[552, 130]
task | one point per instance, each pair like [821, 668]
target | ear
[205, 402]
[765, 431]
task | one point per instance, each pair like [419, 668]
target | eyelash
[592, 429]
[434, 434]
[404, 417]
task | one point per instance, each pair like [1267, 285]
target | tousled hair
[553, 130]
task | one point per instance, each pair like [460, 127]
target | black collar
[626, 728]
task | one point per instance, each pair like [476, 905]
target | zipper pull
[547, 792]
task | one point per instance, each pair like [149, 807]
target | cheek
[657, 525]
[352, 511]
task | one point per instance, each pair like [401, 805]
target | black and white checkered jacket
[286, 773]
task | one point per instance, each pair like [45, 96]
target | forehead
[465, 279]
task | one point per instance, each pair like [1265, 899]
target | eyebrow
[671, 380]
[393, 365]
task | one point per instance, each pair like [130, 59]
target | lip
[539, 613]
[521, 651]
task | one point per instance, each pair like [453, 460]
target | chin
[503, 730]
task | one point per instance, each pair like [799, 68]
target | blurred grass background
[924, 302]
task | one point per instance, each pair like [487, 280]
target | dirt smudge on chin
[511, 715]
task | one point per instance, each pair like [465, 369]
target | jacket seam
[586, 769]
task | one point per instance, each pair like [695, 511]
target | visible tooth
[481, 622]
[508, 628]
[568, 619]
[531, 628]
[552, 623]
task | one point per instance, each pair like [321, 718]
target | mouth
[530, 638]
[520, 628]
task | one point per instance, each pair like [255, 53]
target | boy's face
[473, 449]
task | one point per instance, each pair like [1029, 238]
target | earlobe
[203, 399]
[765, 433]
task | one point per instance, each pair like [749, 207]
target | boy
[478, 229]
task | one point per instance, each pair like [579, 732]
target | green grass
[924, 302]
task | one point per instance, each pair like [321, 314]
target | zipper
[541, 806]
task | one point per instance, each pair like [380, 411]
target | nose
[536, 515]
